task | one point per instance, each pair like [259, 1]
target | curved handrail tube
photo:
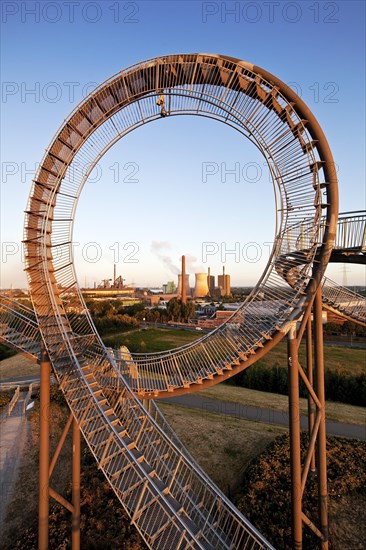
[168, 499]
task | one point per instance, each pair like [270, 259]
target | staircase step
[128, 482]
[117, 465]
[99, 438]
[170, 537]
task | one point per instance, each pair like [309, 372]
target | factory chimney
[184, 287]
[114, 275]
[210, 282]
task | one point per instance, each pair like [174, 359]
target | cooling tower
[201, 287]
[179, 291]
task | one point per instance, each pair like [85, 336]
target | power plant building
[169, 287]
[211, 283]
[204, 284]
[201, 286]
[223, 282]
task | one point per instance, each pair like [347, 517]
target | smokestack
[114, 274]
[223, 270]
[210, 282]
[179, 288]
[184, 288]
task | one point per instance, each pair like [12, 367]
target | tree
[174, 309]
[188, 310]
[349, 327]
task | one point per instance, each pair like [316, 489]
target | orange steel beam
[322, 443]
[60, 444]
[314, 383]
[44, 450]
[46, 468]
[309, 369]
[295, 449]
[75, 486]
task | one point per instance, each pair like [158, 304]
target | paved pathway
[13, 435]
[21, 381]
[239, 410]
[261, 414]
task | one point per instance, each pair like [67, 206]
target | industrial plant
[204, 287]
[204, 284]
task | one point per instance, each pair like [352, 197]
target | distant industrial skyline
[185, 184]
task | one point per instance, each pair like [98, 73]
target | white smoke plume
[159, 248]
[193, 266]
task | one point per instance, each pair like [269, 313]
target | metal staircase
[19, 328]
[344, 301]
[167, 495]
[169, 499]
[226, 350]
[158, 373]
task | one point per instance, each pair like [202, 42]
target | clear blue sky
[60, 50]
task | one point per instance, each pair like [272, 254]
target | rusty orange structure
[168, 497]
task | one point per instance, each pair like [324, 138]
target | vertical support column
[75, 485]
[322, 443]
[184, 289]
[44, 450]
[309, 365]
[146, 403]
[295, 449]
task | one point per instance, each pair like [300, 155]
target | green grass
[350, 360]
[6, 352]
[152, 339]
[339, 412]
[223, 446]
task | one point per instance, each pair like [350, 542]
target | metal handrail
[295, 147]
[350, 236]
[14, 400]
[27, 398]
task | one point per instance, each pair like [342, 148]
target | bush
[6, 352]
[265, 498]
[339, 386]
[115, 323]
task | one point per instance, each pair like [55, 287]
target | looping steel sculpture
[249, 99]
[168, 497]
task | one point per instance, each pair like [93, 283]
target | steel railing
[167, 497]
[344, 301]
[14, 400]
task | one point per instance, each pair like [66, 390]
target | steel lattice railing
[156, 489]
[19, 327]
[344, 301]
[351, 232]
[168, 498]
[205, 515]
[350, 237]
